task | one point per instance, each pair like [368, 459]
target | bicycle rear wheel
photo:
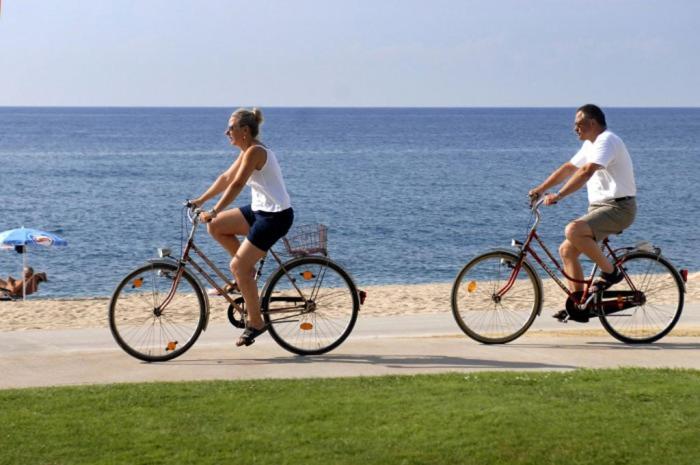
[482, 314]
[662, 302]
[312, 308]
[142, 328]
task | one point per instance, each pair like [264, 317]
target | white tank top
[267, 186]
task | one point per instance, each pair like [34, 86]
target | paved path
[378, 346]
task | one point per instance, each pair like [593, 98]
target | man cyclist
[605, 166]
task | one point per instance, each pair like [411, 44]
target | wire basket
[308, 239]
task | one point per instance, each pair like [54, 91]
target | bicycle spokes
[646, 305]
[144, 326]
[312, 306]
[491, 302]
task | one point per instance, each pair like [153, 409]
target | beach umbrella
[19, 238]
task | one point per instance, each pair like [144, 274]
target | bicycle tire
[477, 311]
[152, 337]
[664, 298]
[321, 317]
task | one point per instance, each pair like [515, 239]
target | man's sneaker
[607, 280]
[572, 313]
[579, 316]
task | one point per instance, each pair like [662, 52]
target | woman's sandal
[249, 335]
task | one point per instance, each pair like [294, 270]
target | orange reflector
[620, 302]
[138, 282]
[307, 275]
[306, 326]
[171, 345]
[471, 287]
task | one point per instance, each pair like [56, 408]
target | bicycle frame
[187, 259]
[526, 248]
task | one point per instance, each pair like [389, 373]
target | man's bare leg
[579, 234]
[572, 266]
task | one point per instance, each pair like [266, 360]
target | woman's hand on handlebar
[195, 207]
[195, 203]
[207, 216]
[194, 210]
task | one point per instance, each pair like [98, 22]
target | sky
[459, 53]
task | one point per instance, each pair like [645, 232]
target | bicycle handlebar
[193, 211]
[535, 202]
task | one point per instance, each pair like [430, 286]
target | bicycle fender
[527, 263]
[172, 261]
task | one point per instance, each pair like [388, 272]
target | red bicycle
[309, 303]
[497, 295]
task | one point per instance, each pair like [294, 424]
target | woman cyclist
[263, 222]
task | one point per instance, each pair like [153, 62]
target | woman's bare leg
[243, 268]
[226, 226]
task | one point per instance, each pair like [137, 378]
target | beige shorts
[610, 217]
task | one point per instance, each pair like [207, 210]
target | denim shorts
[266, 228]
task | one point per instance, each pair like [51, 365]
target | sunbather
[13, 287]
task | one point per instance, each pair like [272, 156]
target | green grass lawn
[603, 417]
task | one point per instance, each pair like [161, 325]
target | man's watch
[213, 212]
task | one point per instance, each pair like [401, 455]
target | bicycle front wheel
[661, 301]
[310, 305]
[146, 329]
[485, 316]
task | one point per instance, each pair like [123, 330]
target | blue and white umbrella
[20, 238]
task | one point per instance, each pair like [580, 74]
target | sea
[409, 194]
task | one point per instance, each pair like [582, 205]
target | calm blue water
[409, 194]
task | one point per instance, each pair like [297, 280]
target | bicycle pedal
[215, 292]
[236, 322]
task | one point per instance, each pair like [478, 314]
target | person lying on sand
[13, 287]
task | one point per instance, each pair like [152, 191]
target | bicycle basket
[308, 239]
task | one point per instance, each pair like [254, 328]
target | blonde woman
[263, 222]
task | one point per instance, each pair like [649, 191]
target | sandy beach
[40, 314]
